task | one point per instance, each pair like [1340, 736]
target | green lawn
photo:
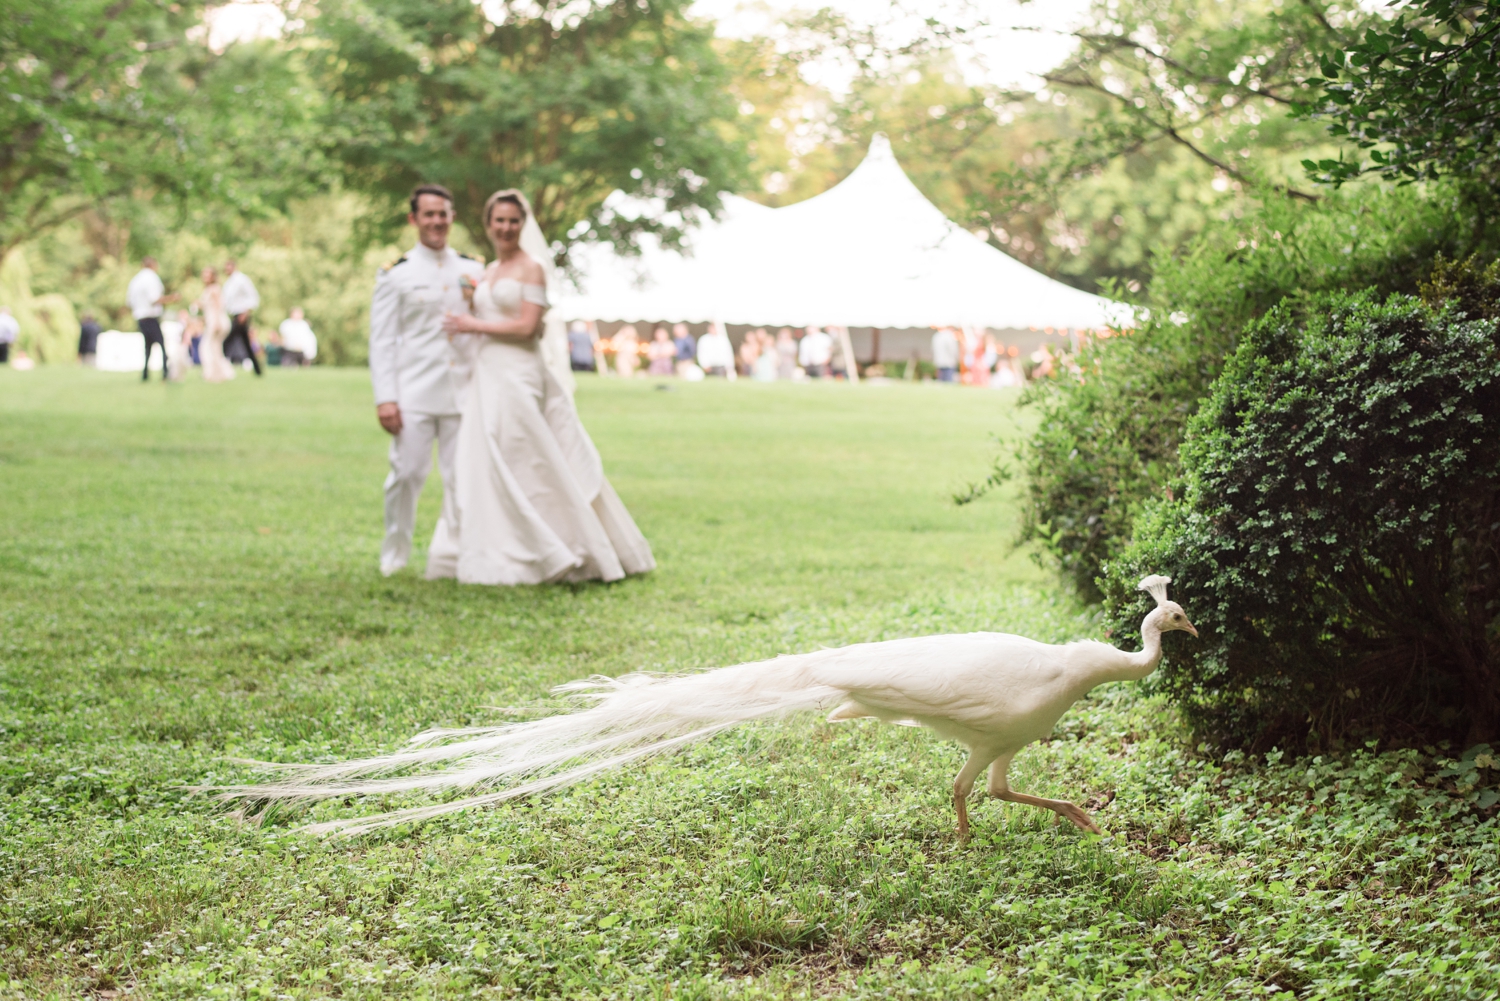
[188, 577]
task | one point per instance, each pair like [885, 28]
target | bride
[533, 504]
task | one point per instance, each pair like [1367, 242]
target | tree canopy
[567, 101]
[1420, 93]
[107, 100]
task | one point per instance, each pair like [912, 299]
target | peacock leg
[964, 784]
[999, 788]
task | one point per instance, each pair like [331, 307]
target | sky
[1021, 40]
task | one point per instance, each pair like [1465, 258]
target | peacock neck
[1134, 666]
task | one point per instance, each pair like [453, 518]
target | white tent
[870, 252]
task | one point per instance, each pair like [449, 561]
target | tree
[1170, 117]
[1421, 93]
[566, 100]
[107, 99]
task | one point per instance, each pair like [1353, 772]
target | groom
[414, 370]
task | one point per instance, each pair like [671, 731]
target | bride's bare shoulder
[531, 270]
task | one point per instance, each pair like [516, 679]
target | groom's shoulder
[387, 268]
[471, 257]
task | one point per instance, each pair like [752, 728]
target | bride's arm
[522, 328]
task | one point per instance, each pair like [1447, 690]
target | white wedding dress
[533, 504]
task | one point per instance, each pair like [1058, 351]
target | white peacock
[993, 692]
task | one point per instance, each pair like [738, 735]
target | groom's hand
[389, 415]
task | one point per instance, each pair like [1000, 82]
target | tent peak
[880, 148]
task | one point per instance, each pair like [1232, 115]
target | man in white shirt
[10, 329]
[815, 352]
[715, 353]
[415, 373]
[945, 354]
[299, 345]
[240, 300]
[146, 296]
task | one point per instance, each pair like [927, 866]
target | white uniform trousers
[411, 459]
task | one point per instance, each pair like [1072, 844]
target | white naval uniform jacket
[412, 362]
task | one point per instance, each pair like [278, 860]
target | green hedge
[1335, 533]
[1109, 434]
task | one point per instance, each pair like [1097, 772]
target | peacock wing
[968, 678]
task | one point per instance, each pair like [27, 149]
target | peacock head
[1167, 615]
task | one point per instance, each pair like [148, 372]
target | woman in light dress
[216, 367]
[661, 352]
[627, 345]
[533, 504]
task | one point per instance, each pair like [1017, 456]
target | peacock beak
[1193, 630]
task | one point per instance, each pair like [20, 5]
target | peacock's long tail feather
[629, 718]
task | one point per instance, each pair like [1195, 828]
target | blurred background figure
[240, 302]
[216, 366]
[750, 351]
[192, 334]
[687, 350]
[661, 352]
[88, 340]
[978, 358]
[299, 345]
[767, 362]
[815, 352]
[945, 352]
[146, 296]
[715, 353]
[627, 351]
[10, 329]
[786, 354]
[175, 344]
[581, 347]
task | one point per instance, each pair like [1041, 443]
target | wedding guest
[1041, 362]
[581, 347]
[299, 345]
[682, 340]
[172, 329]
[945, 354]
[661, 352]
[815, 353]
[192, 331]
[216, 366]
[9, 331]
[786, 354]
[88, 340]
[627, 351]
[978, 357]
[240, 301]
[989, 359]
[146, 295]
[767, 358]
[715, 353]
[749, 351]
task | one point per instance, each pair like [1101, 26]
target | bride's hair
[512, 195]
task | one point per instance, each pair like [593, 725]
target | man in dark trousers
[88, 340]
[145, 295]
[240, 301]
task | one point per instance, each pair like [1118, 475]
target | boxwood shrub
[1108, 434]
[1335, 531]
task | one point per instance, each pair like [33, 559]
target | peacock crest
[1156, 585]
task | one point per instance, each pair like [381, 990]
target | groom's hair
[429, 189]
